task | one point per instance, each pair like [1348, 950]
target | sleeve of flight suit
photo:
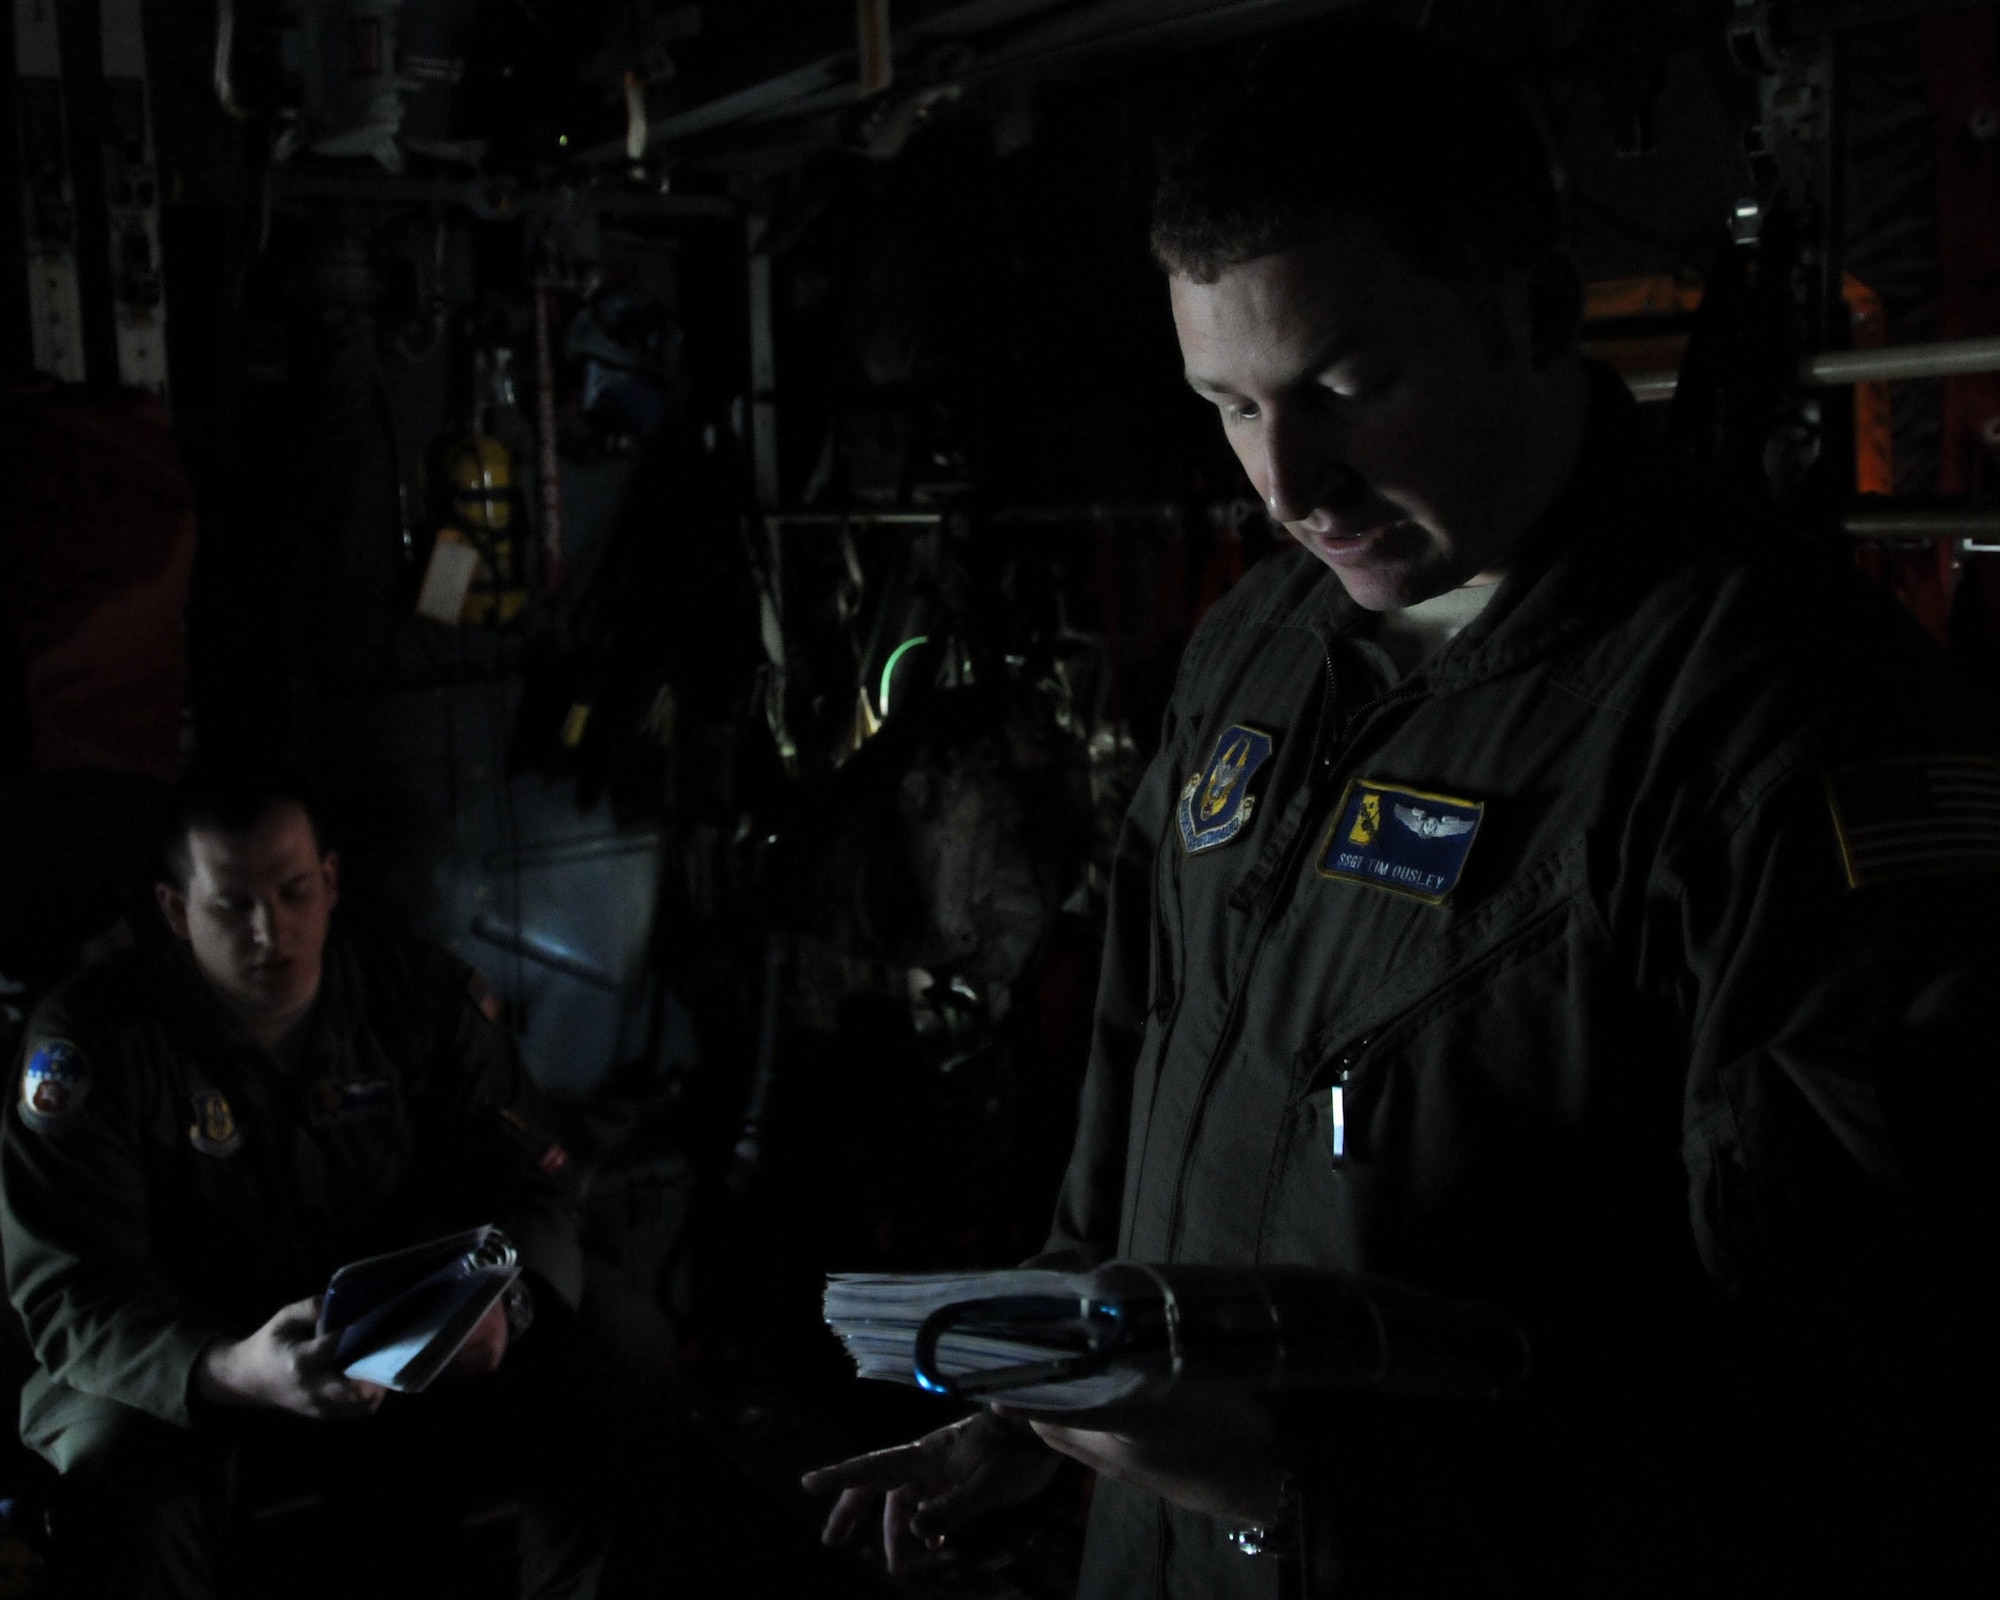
[76, 1197]
[504, 1137]
[1839, 1126]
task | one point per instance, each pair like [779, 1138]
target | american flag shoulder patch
[1916, 817]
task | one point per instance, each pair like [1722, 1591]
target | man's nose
[1301, 473]
[263, 922]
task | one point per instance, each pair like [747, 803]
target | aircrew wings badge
[53, 1084]
[1407, 841]
[1216, 802]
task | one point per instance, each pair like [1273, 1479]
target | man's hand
[484, 1348]
[285, 1366]
[925, 1489]
[1208, 1448]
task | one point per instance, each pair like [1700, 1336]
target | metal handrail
[1947, 358]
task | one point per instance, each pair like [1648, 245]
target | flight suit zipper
[1319, 785]
[1336, 1099]
[1350, 1061]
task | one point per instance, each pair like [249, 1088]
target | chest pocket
[1460, 1130]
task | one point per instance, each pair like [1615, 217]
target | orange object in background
[1661, 295]
[1615, 300]
[1922, 579]
[1874, 426]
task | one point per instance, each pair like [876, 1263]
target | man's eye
[1239, 411]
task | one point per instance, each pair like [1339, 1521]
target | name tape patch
[338, 1099]
[1216, 802]
[1911, 819]
[53, 1084]
[1404, 840]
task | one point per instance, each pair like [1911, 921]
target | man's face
[1384, 416]
[255, 915]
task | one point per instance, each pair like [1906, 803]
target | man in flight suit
[202, 1134]
[1552, 890]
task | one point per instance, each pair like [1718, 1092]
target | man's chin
[1389, 587]
[1381, 569]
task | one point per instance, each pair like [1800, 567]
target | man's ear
[174, 907]
[329, 869]
[1555, 309]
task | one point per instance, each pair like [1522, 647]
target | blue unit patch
[53, 1084]
[1216, 802]
[1403, 840]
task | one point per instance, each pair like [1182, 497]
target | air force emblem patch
[214, 1131]
[53, 1084]
[1403, 840]
[1216, 802]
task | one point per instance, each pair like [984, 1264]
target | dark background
[813, 995]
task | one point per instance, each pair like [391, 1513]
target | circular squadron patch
[54, 1084]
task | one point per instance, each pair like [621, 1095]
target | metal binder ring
[1103, 1324]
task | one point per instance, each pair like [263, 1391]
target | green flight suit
[1649, 1074]
[178, 1184]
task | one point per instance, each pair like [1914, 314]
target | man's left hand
[1211, 1448]
[484, 1349]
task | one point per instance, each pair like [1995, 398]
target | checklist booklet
[1054, 1341]
[401, 1317]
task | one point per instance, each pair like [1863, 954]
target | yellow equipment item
[480, 470]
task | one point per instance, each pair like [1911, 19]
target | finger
[879, 1469]
[906, 1552]
[850, 1512]
[299, 1319]
[314, 1357]
[947, 1511]
[343, 1394]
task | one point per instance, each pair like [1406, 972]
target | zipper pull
[1336, 1098]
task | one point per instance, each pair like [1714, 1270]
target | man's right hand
[932, 1485]
[285, 1366]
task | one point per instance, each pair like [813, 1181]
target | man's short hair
[1357, 119]
[228, 797]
